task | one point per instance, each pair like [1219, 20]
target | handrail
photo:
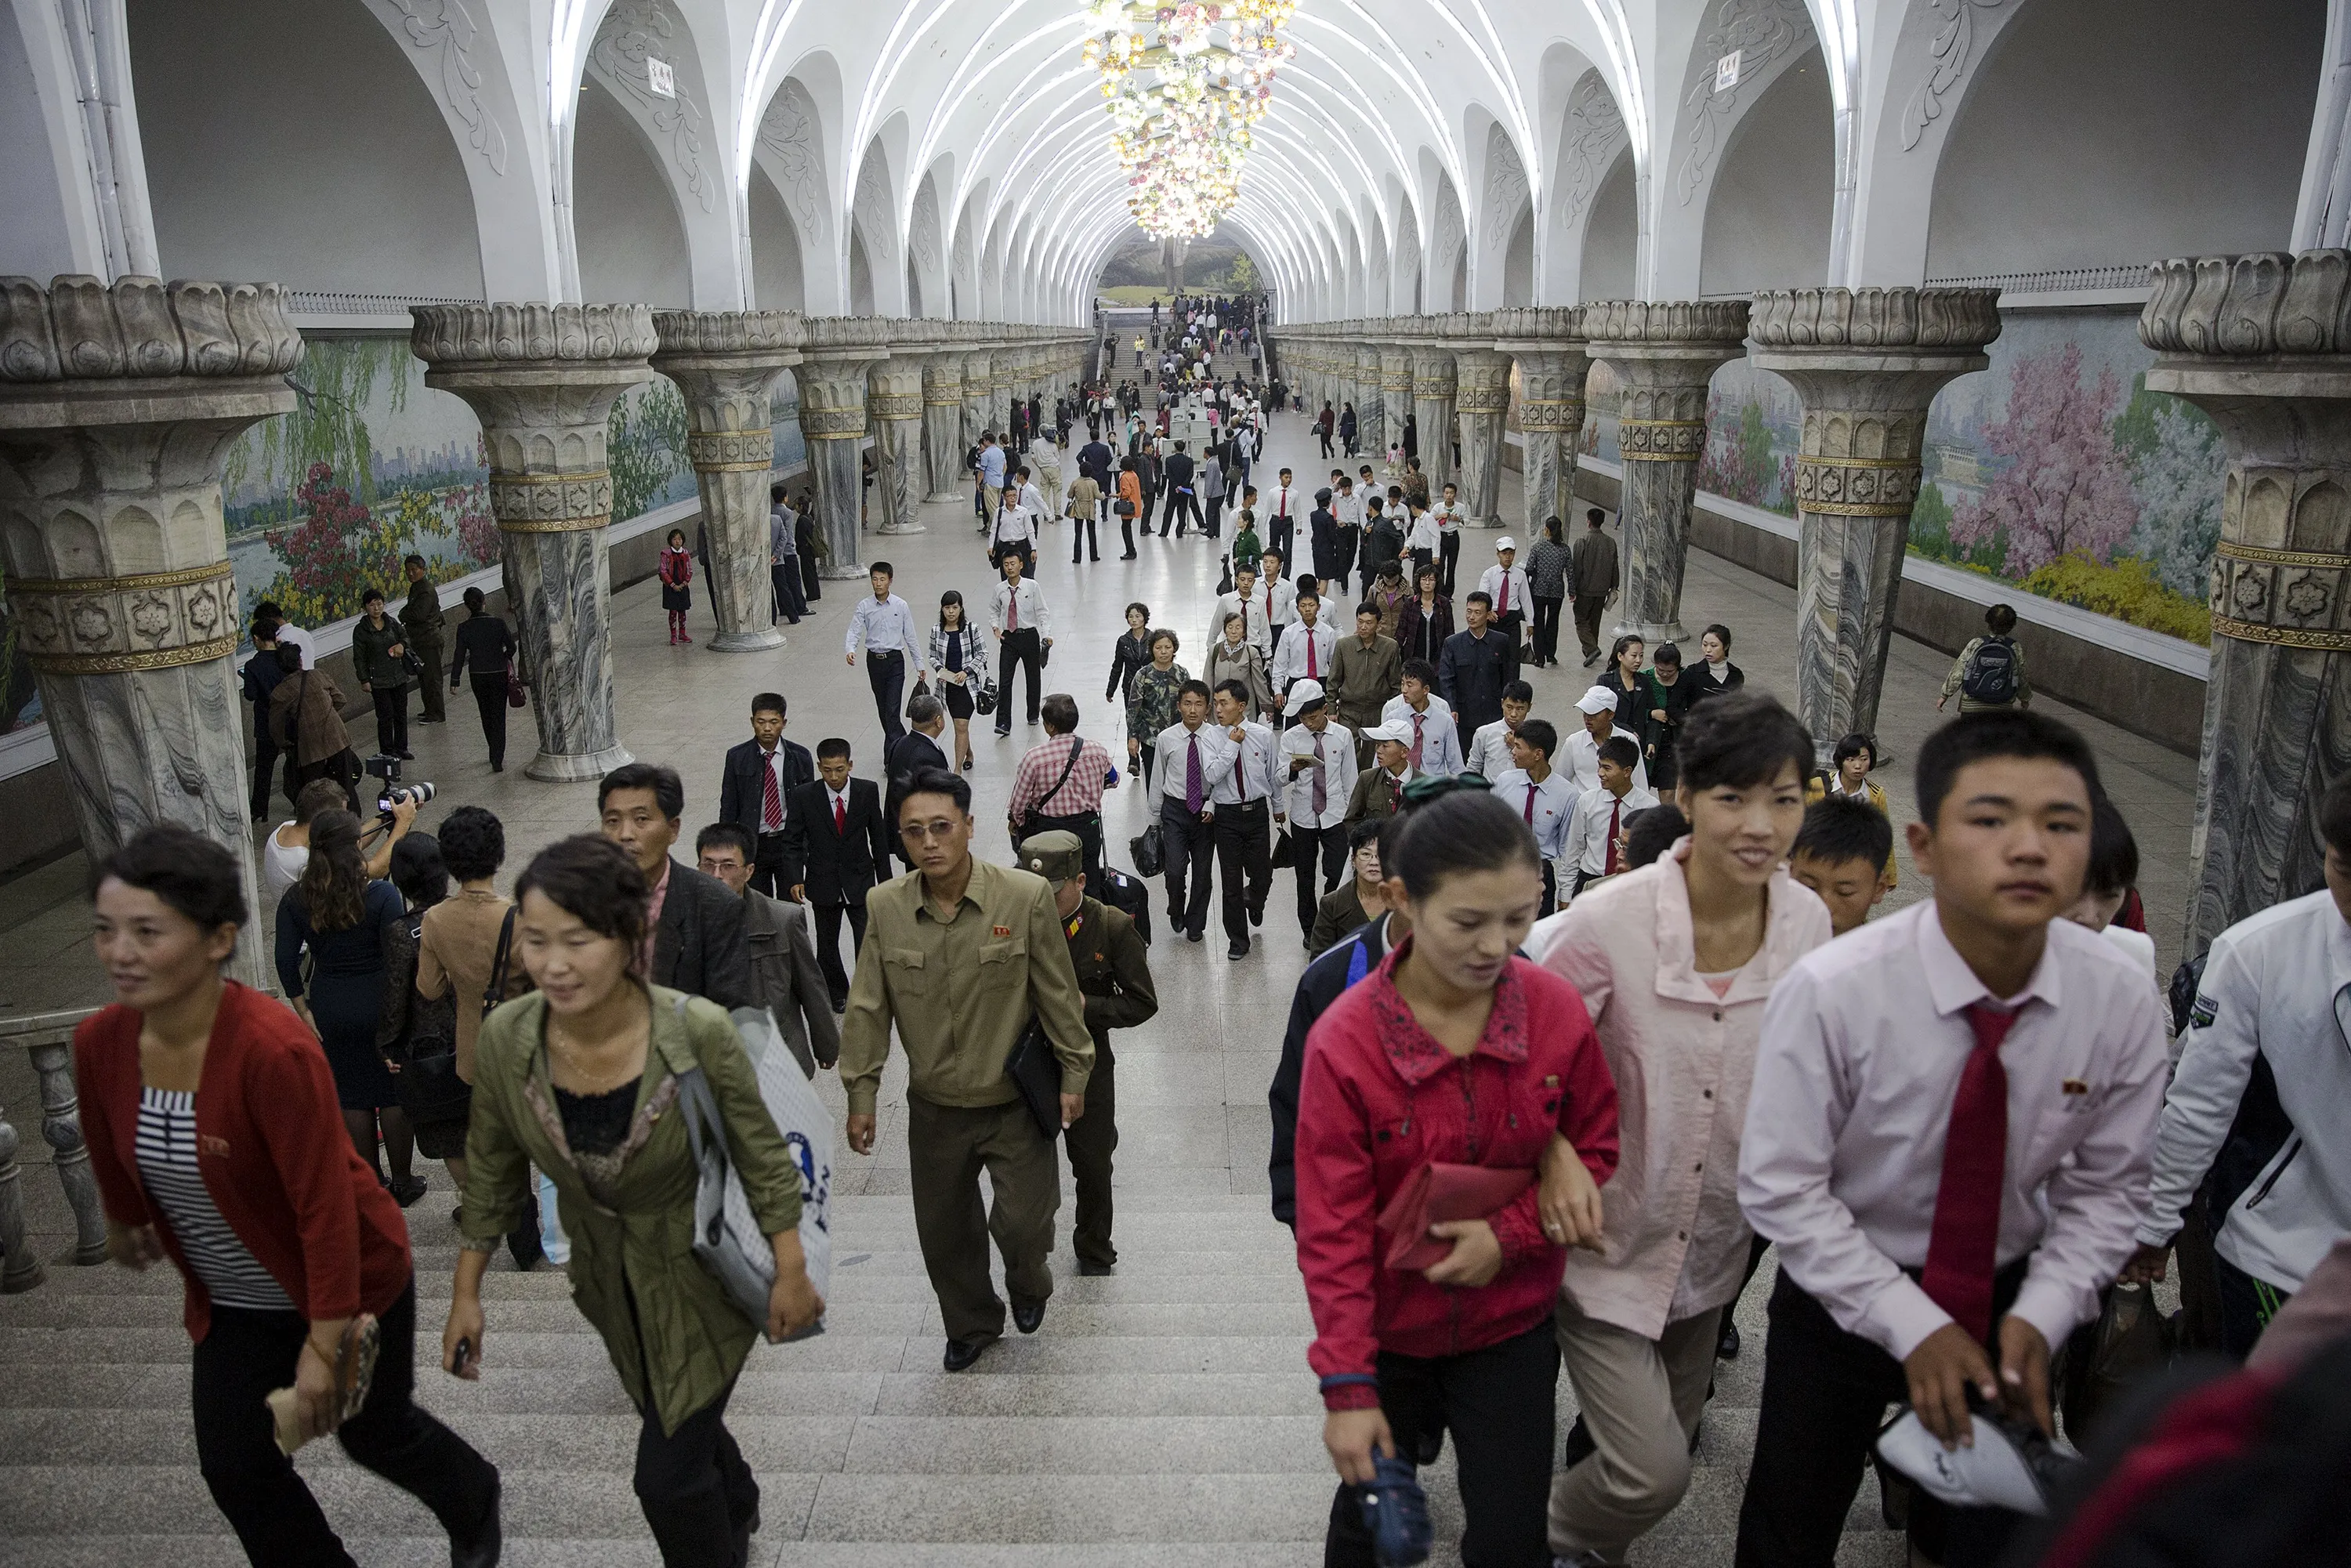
[48, 1038]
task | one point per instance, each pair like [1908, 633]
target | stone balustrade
[48, 1038]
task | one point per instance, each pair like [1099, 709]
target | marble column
[1664, 352]
[1545, 343]
[1395, 400]
[839, 351]
[977, 373]
[942, 445]
[1366, 368]
[1866, 363]
[2263, 344]
[1005, 369]
[1483, 399]
[893, 406]
[1433, 384]
[542, 379]
[725, 365]
[118, 406]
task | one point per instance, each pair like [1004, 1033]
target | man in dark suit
[918, 748]
[1178, 472]
[842, 845]
[756, 792]
[1094, 461]
[698, 943]
[784, 970]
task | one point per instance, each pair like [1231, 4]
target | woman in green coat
[380, 659]
[580, 1079]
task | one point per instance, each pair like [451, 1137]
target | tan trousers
[1641, 1400]
[950, 1144]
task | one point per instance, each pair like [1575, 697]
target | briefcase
[1036, 1072]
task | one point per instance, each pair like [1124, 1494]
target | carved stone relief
[787, 130]
[1953, 54]
[631, 31]
[1594, 134]
[1506, 187]
[446, 29]
[1761, 31]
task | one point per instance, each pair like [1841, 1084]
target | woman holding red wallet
[1455, 1051]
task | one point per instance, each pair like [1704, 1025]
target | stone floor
[1164, 1414]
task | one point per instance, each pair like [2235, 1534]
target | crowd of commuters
[1610, 978]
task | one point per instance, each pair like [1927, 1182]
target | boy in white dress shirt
[1245, 800]
[1492, 754]
[1949, 1140]
[1435, 740]
[1597, 708]
[1596, 838]
[1447, 517]
[1542, 795]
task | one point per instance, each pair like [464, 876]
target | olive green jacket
[687, 1340]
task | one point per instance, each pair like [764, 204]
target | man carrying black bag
[960, 956]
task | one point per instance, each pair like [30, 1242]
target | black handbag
[427, 1084]
[1123, 508]
[1150, 851]
[1036, 1072]
[1284, 854]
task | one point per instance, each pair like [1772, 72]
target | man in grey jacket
[1592, 582]
[783, 559]
[784, 971]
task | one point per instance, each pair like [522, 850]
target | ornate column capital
[1665, 351]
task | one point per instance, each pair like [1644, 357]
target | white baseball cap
[1300, 694]
[1505, 542]
[1599, 699]
[1400, 733]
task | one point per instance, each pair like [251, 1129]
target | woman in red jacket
[1454, 1050]
[217, 1141]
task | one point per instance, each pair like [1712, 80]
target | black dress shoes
[962, 1353]
[1239, 949]
[1090, 1269]
[1027, 1315]
[481, 1549]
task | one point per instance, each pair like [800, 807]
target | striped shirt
[167, 1165]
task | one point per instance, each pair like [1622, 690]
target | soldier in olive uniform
[423, 618]
[1115, 974]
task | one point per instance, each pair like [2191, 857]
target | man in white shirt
[1245, 799]
[1435, 745]
[1592, 841]
[1542, 795]
[1017, 614]
[1014, 526]
[1420, 543]
[1446, 515]
[1306, 647]
[1598, 706]
[1490, 752]
[1032, 498]
[1318, 767]
[1193, 760]
[1280, 594]
[1948, 1140]
[1250, 602]
[1505, 583]
[1285, 504]
[289, 633]
[884, 623]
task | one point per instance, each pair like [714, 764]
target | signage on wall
[1726, 71]
[663, 81]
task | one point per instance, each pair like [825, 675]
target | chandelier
[1185, 85]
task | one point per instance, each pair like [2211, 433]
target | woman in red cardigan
[1454, 1050]
[215, 1133]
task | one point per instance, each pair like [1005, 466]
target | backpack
[1990, 676]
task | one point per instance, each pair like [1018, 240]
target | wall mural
[2055, 470]
[372, 466]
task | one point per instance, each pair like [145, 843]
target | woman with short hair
[485, 644]
[210, 1120]
[1151, 702]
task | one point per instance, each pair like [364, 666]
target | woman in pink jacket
[1454, 1050]
[1674, 962]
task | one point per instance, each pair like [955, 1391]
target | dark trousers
[771, 872]
[1126, 536]
[391, 720]
[490, 701]
[1547, 627]
[790, 604]
[428, 689]
[1022, 650]
[1182, 505]
[2247, 1305]
[1189, 845]
[1824, 1397]
[1281, 534]
[1501, 1405]
[694, 1486]
[950, 1146]
[1323, 436]
[1244, 836]
[1214, 525]
[1082, 542]
[1092, 1139]
[325, 768]
[264, 770]
[811, 584]
[1307, 845]
[247, 1355]
[828, 945]
[887, 674]
[1448, 561]
[1588, 609]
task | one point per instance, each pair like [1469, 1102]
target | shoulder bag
[427, 1084]
[496, 991]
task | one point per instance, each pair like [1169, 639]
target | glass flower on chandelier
[1185, 84]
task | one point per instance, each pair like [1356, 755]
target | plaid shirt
[1033, 780]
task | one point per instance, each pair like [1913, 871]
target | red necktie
[1608, 866]
[1963, 1246]
[771, 799]
[840, 816]
[1504, 608]
[1313, 673]
[1012, 610]
[1415, 740]
[1530, 804]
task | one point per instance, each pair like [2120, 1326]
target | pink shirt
[653, 918]
[1675, 1243]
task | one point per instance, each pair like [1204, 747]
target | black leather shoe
[1195, 933]
[1091, 1269]
[743, 1533]
[962, 1353]
[483, 1547]
[1725, 1348]
[1239, 949]
[1027, 1315]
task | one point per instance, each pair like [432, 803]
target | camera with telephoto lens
[393, 792]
